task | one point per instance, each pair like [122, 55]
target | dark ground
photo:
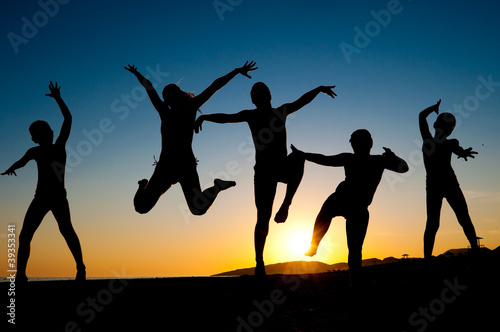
[449, 294]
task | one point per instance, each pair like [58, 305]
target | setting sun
[298, 243]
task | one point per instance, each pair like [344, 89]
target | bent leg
[34, 216]
[294, 171]
[265, 190]
[200, 201]
[457, 202]
[323, 221]
[150, 192]
[434, 203]
[356, 226]
[63, 218]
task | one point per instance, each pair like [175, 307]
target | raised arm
[220, 118]
[55, 92]
[20, 163]
[307, 98]
[203, 97]
[422, 120]
[320, 159]
[394, 163]
[152, 94]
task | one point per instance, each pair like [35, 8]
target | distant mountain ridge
[304, 267]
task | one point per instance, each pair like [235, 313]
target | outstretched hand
[197, 124]
[55, 90]
[132, 69]
[328, 90]
[7, 172]
[246, 68]
[467, 153]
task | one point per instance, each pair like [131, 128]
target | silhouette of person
[441, 181]
[50, 194]
[177, 163]
[272, 164]
[352, 197]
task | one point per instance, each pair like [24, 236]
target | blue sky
[429, 50]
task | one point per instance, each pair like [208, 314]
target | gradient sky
[423, 51]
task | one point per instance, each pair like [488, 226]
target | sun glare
[298, 243]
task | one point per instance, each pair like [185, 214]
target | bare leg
[294, 174]
[34, 216]
[265, 190]
[149, 193]
[434, 203]
[323, 221]
[459, 206]
[200, 201]
[356, 226]
[63, 218]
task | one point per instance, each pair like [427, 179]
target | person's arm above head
[20, 163]
[461, 152]
[394, 163]
[320, 159]
[152, 94]
[307, 98]
[221, 81]
[422, 120]
[220, 118]
[55, 92]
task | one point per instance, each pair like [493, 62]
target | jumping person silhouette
[441, 181]
[352, 197]
[272, 164]
[177, 163]
[50, 194]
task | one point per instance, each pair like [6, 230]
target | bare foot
[143, 183]
[260, 270]
[282, 213]
[81, 275]
[223, 185]
[311, 252]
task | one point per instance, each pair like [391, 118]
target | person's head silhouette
[41, 133]
[261, 95]
[444, 125]
[361, 141]
[173, 96]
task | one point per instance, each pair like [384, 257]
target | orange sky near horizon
[118, 242]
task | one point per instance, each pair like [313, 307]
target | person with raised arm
[363, 172]
[177, 163]
[50, 194]
[441, 181]
[273, 164]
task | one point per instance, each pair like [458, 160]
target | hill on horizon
[305, 267]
